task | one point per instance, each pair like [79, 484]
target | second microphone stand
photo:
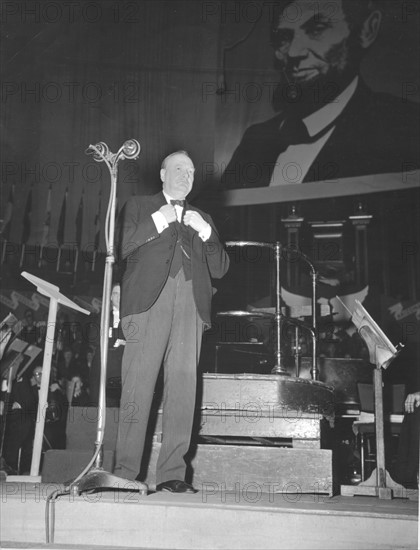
[94, 476]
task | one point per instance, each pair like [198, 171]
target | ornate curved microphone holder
[94, 476]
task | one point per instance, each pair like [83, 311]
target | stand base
[23, 479]
[370, 488]
[280, 370]
[100, 479]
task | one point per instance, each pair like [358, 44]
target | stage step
[35, 546]
[208, 519]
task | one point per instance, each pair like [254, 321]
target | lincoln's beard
[303, 97]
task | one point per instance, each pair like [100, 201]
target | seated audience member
[67, 366]
[352, 344]
[73, 379]
[63, 336]
[85, 366]
[56, 414]
[33, 332]
[77, 392]
[407, 470]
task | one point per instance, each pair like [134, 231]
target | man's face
[178, 176]
[313, 46]
[37, 375]
[29, 318]
[115, 296]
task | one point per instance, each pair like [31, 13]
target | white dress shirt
[293, 164]
[161, 223]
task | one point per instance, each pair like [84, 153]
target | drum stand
[94, 476]
[278, 367]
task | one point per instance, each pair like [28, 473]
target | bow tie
[178, 202]
[293, 131]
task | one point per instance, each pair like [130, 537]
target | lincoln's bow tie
[178, 202]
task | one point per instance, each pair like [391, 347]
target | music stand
[381, 353]
[53, 293]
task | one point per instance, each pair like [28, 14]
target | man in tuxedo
[172, 251]
[329, 125]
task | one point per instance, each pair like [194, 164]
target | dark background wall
[77, 73]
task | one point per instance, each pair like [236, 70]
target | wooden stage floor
[245, 519]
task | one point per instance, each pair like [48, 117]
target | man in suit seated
[329, 125]
[172, 251]
[22, 415]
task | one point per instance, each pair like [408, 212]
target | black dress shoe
[175, 486]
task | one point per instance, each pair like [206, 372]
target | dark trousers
[407, 469]
[20, 431]
[169, 332]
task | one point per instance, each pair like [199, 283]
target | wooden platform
[243, 518]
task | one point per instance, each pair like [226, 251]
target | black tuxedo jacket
[148, 256]
[375, 134]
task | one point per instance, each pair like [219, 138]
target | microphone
[131, 149]
[99, 151]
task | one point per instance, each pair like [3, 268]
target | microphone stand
[94, 476]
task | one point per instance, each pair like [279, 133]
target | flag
[27, 218]
[62, 220]
[79, 221]
[47, 220]
[98, 222]
[7, 221]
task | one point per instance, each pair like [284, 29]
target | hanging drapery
[47, 220]
[7, 220]
[129, 75]
[79, 230]
[27, 217]
[62, 220]
[79, 221]
[45, 229]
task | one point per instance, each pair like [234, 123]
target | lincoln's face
[311, 40]
[315, 47]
